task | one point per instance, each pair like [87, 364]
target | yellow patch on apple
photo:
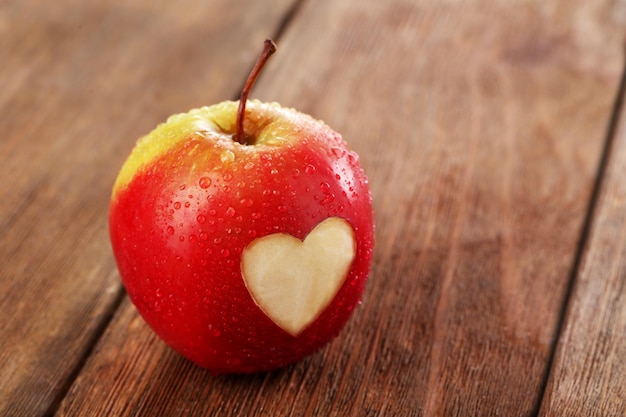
[293, 281]
[272, 125]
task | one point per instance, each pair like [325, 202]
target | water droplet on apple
[282, 209]
[249, 165]
[353, 158]
[227, 156]
[295, 173]
[201, 218]
[217, 240]
[230, 212]
[181, 238]
[187, 204]
[246, 202]
[205, 182]
[215, 331]
[309, 169]
[338, 152]
[177, 205]
[193, 238]
[182, 187]
[256, 215]
[325, 187]
[212, 212]
[203, 236]
[170, 230]
[227, 176]
[274, 140]
[225, 253]
[274, 171]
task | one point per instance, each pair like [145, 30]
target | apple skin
[189, 199]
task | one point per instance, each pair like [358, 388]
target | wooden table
[494, 137]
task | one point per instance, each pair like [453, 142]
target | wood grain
[481, 126]
[481, 168]
[588, 377]
[80, 81]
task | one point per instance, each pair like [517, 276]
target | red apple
[244, 242]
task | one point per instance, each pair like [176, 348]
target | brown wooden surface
[589, 373]
[481, 126]
[80, 81]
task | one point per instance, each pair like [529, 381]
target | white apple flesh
[291, 280]
[243, 236]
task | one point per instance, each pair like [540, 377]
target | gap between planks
[276, 37]
[591, 212]
[90, 347]
[121, 293]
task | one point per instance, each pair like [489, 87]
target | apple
[243, 233]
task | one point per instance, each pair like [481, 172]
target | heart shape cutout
[293, 281]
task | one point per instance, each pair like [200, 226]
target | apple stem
[269, 47]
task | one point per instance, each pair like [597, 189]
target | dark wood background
[494, 138]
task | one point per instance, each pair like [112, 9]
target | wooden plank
[80, 82]
[588, 377]
[480, 125]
